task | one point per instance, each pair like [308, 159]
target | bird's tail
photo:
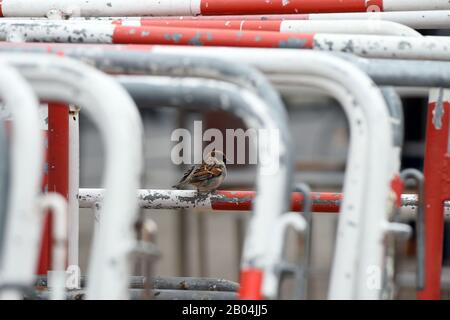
[178, 186]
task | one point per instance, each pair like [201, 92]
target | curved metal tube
[4, 181]
[355, 142]
[57, 205]
[378, 180]
[276, 201]
[378, 112]
[301, 291]
[418, 178]
[22, 227]
[357, 156]
[116, 116]
[290, 62]
[367, 190]
[374, 27]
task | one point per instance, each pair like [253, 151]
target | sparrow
[205, 177]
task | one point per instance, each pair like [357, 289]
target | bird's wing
[206, 172]
[187, 174]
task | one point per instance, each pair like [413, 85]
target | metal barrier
[430, 19]
[115, 114]
[272, 186]
[4, 181]
[21, 237]
[300, 68]
[288, 62]
[237, 74]
[352, 158]
[435, 75]
[430, 48]
[222, 200]
[372, 181]
[57, 205]
[374, 69]
[379, 27]
[64, 8]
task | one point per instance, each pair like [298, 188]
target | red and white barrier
[430, 19]
[299, 26]
[430, 48]
[223, 200]
[41, 8]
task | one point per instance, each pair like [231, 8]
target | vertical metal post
[437, 186]
[74, 186]
[4, 179]
[58, 172]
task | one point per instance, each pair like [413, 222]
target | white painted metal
[183, 199]
[376, 256]
[55, 31]
[413, 5]
[88, 8]
[439, 19]
[57, 205]
[373, 46]
[271, 183]
[378, 27]
[277, 246]
[427, 48]
[22, 232]
[431, 19]
[367, 182]
[116, 116]
[74, 185]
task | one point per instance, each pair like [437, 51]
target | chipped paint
[404, 45]
[227, 200]
[438, 110]
[195, 41]
[294, 43]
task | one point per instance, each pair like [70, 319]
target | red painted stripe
[327, 202]
[397, 187]
[437, 189]
[1, 8]
[210, 37]
[58, 172]
[253, 17]
[217, 24]
[220, 7]
[250, 284]
[374, 5]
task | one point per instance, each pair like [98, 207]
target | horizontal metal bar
[326, 202]
[64, 8]
[374, 46]
[429, 19]
[139, 294]
[167, 283]
[379, 27]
